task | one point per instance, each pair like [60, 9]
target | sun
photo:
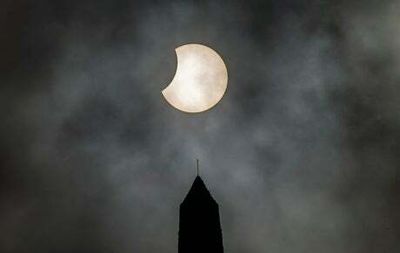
[200, 80]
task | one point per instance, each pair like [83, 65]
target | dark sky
[302, 153]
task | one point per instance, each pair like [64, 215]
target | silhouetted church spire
[199, 225]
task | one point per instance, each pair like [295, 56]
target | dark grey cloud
[302, 152]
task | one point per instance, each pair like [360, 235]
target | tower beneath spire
[199, 224]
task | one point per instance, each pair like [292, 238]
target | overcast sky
[302, 153]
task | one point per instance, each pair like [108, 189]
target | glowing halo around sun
[200, 80]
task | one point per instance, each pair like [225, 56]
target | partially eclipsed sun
[200, 80]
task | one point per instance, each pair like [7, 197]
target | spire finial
[197, 167]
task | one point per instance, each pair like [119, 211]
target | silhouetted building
[199, 225]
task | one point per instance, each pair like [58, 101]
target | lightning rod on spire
[197, 167]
